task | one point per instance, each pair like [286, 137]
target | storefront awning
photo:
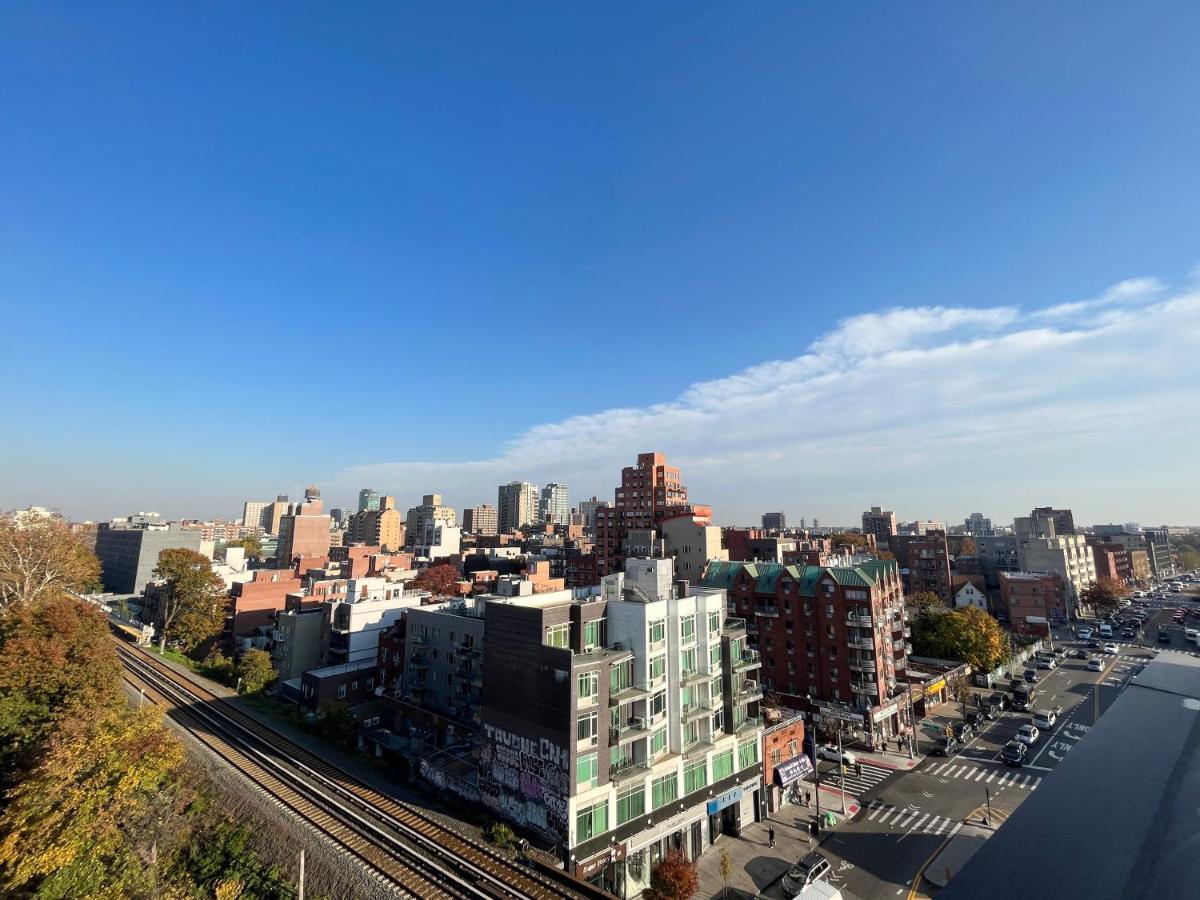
[792, 770]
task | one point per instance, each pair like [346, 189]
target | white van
[1105, 630]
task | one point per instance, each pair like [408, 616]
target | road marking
[942, 827]
[1004, 777]
[990, 777]
[1028, 778]
[912, 815]
[920, 821]
[1035, 785]
[982, 772]
[938, 768]
[890, 814]
[877, 811]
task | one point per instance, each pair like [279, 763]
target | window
[620, 677]
[592, 821]
[776, 756]
[687, 629]
[695, 776]
[691, 733]
[558, 635]
[341, 691]
[747, 753]
[664, 790]
[829, 610]
[354, 685]
[631, 803]
[587, 727]
[658, 667]
[658, 704]
[714, 623]
[587, 770]
[687, 660]
[589, 686]
[718, 721]
[658, 632]
[722, 765]
[714, 656]
[658, 741]
[591, 634]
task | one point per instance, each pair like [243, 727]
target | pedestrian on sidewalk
[770, 835]
[808, 798]
[858, 769]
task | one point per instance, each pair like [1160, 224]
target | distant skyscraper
[587, 510]
[257, 514]
[420, 518]
[554, 508]
[368, 500]
[516, 505]
[879, 522]
[481, 519]
[775, 521]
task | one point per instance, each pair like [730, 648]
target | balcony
[634, 728]
[690, 677]
[627, 771]
[865, 687]
[767, 611]
[747, 725]
[860, 621]
[861, 643]
[418, 640]
[692, 711]
[748, 660]
[698, 747]
[862, 665]
[732, 625]
[466, 649]
[751, 691]
[628, 695]
[900, 646]
[752, 628]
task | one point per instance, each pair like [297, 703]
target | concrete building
[879, 522]
[295, 644]
[368, 500]
[649, 492]
[279, 509]
[774, 521]
[587, 514]
[420, 518]
[997, 553]
[443, 665]
[354, 620]
[437, 541]
[1032, 600]
[554, 507]
[257, 514]
[1066, 555]
[833, 639]
[691, 541]
[128, 550]
[1064, 519]
[1158, 548]
[621, 727]
[378, 527]
[924, 563]
[304, 531]
[482, 519]
[516, 505]
[979, 526]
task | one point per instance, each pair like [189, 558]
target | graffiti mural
[525, 780]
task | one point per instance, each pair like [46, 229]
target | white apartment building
[353, 622]
[1067, 556]
[692, 541]
[553, 506]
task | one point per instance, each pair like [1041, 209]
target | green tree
[674, 878]
[255, 671]
[41, 558]
[192, 602]
[976, 638]
[338, 726]
[1104, 594]
[251, 543]
[926, 600]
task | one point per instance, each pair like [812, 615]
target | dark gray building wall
[128, 556]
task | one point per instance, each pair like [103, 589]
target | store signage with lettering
[884, 712]
[716, 804]
[793, 769]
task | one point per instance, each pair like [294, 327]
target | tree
[977, 638]
[193, 598]
[849, 539]
[726, 869]
[674, 878]
[41, 557]
[255, 671]
[440, 580]
[1103, 594]
[926, 600]
[251, 543]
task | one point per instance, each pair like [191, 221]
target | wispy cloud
[886, 395]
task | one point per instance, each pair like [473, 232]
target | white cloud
[886, 399]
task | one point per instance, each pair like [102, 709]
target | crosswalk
[858, 784]
[906, 818]
[989, 776]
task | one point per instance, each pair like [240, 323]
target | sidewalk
[757, 867]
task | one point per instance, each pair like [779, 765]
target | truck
[1024, 696]
[819, 890]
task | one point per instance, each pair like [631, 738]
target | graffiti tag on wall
[525, 780]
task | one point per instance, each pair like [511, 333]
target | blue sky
[245, 249]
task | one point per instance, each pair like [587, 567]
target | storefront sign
[792, 770]
[935, 686]
[845, 715]
[728, 798]
[884, 712]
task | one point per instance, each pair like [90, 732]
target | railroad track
[417, 854]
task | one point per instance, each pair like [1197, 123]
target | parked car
[945, 746]
[1046, 664]
[1095, 664]
[1164, 636]
[1082, 653]
[1014, 754]
[1030, 676]
[831, 753]
[974, 718]
[1111, 648]
[1045, 718]
[1085, 634]
[998, 699]
[1028, 734]
[810, 868]
[963, 731]
[1092, 644]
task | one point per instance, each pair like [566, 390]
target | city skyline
[915, 272]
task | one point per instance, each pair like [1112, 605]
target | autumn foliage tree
[968, 634]
[254, 670]
[1104, 594]
[441, 580]
[40, 558]
[674, 878]
[192, 599]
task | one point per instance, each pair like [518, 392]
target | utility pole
[300, 884]
[912, 722]
[841, 767]
[988, 794]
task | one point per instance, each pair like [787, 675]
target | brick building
[1031, 600]
[924, 563]
[831, 634]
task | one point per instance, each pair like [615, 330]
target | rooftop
[1139, 770]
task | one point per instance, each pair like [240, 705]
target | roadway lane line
[912, 815]
[942, 827]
